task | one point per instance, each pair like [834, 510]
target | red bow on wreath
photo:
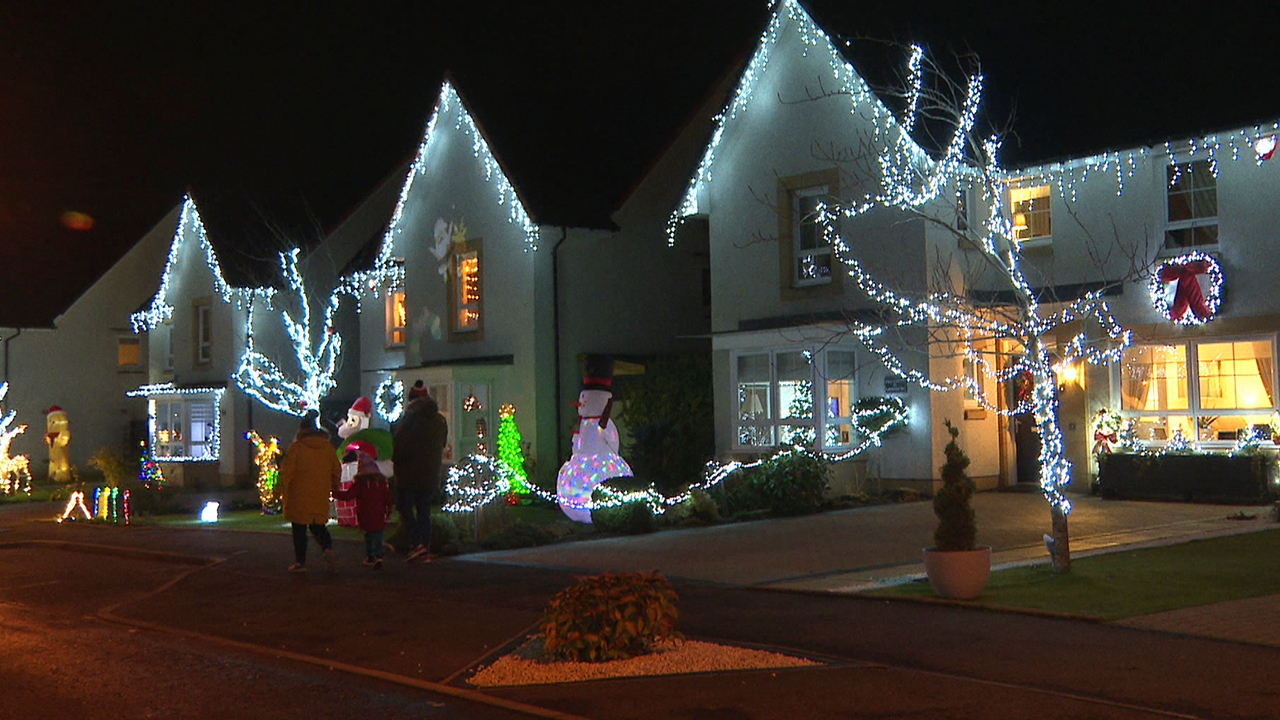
[1187, 294]
[1102, 442]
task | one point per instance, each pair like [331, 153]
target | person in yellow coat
[308, 474]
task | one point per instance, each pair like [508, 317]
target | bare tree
[956, 321]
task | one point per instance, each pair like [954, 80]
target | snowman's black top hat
[597, 373]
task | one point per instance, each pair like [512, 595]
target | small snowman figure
[355, 429]
[595, 456]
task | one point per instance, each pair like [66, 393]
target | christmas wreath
[1176, 292]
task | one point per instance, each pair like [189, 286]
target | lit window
[810, 248]
[129, 352]
[780, 392]
[185, 428]
[1029, 208]
[397, 318]
[1193, 206]
[1233, 383]
[466, 269]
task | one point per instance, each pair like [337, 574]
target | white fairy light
[389, 399]
[1163, 291]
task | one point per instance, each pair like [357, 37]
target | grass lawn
[252, 520]
[1137, 582]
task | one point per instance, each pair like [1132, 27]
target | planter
[958, 574]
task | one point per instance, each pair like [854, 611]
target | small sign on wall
[895, 386]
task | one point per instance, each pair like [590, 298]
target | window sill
[1035, 243]
[1167, 252]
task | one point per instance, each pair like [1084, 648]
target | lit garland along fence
[479, 479]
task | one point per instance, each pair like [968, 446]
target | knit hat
[366, 465]
[362, 406]
[310, 421]
[418, 390]
[363, 446]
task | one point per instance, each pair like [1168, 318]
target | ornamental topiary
[956, 527]
[610, 617]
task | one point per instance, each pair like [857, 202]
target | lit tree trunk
[1055, 470]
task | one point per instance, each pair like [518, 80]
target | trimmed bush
[610, 617]
[633, 518]
[956, 527]
[790, 483]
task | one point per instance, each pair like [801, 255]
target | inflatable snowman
[355, 430]
[595, 443]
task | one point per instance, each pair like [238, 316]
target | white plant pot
[958, 574]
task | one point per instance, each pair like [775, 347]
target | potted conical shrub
[956, 568]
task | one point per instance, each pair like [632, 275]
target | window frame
[1031, 212]
[1174, 172]
[789, 188]
[185, 403]
[821, 420]
[1195, 409]
[396, 293]
[458, 252]
[202, 333]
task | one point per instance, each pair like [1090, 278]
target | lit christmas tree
[265, 453]
[149, 473]
[509, 452]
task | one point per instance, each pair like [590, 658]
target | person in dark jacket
[372, 497]
[418, 450]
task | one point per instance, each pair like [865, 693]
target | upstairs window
[203, 330]
[811, 250]
[397, 315]
[129, 353]
[466, 290]
[1029, 212]
[1193, 206]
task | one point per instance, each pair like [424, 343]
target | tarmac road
[218, 629]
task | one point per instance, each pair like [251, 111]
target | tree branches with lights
[958, 324]
[315, 362]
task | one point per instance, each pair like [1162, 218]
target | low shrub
[610, 617]
[633, 518]
[115, 467]
[519, 534]
[790, 483]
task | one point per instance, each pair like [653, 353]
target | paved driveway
[848, 549]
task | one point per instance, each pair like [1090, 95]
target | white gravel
[527, 666]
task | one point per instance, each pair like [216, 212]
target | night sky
[281, 116]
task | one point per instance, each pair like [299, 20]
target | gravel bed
[528, 666]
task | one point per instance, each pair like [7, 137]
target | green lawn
[1137, 582]
[252, 520]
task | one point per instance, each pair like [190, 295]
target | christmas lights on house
[151, 392]
[159, 310]
[1176, 293]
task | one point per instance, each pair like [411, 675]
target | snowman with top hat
[595, 443]
[356, 436]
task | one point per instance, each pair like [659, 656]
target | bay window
[793, 396]
[1209, 390]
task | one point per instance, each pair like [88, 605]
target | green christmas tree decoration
[149, 473]
[509, 451]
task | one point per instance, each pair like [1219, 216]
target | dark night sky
[289, 112]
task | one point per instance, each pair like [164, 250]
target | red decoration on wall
[1188, 293]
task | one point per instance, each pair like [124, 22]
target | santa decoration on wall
[595, 456]
[357, 435]
[1187, 289]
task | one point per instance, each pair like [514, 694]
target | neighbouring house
[206, 315]
[490, 301]
[803, 127]
[86, 360]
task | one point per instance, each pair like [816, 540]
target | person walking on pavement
[372, 498]
[418, 450]
[308, 474]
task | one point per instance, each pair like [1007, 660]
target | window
[962, 210]
[129, 353]
[807, 264]
[1029, 208]
[186, 427]
[1209, 390]
[811, 250]
[203, 331]
[465, 290]
[395, 312]
[166, 337]
[793, 396]
[1193, 206]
